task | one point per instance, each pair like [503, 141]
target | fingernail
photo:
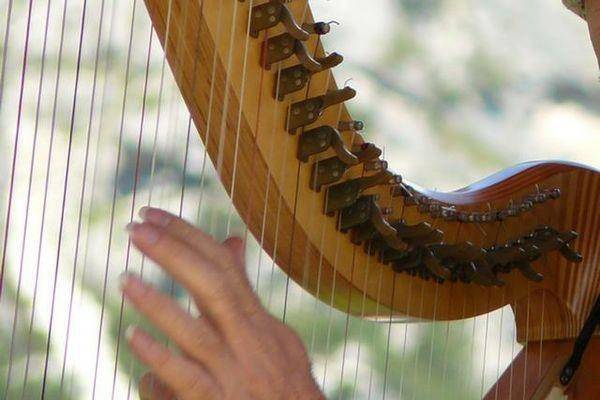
[155, 216]
[133, 286]
[130, 332]
[123, 278]
[143, 233]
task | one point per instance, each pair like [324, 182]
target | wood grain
[535, 371]
[230, 97]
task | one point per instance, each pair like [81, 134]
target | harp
[383, 255]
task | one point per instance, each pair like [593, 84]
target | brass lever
[331, 170]
[283, 46]
[295, 78]
[308, 111]
[270, 14]
[345, 194]
[319, 28]
[387, 232]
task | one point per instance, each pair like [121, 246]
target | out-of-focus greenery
[435, 90]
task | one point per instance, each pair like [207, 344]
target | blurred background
[455, 89]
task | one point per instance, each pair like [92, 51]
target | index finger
[218, 296]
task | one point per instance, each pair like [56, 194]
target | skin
[592, 9]
[236, 349]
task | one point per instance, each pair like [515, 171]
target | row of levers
[416, 249]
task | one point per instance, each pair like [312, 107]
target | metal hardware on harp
[242, 124]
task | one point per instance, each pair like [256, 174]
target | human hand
[236, 349]
[592, 13]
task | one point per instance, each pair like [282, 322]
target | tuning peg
[434, 265]
[389, 255]
[356, 214]
[345, 194]
[504, 255]
[295, 78]
[412, 231]
[319, 28]
[570, 254]
[410, 262]
[268, 15]
[283, 46]
[331, 170]
[385, 230]
[308, 111]
[528, 272]
[351, 126]
[484, 275]
[435, 236]
[319, 140]
[375, 165]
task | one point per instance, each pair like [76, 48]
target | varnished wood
[270, 188]
[535, 372]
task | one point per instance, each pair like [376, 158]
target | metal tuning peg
[308, 111]
[528, 272]
[434, 236]
[407, 232]
[388, 234]
[505, 255]
[331, 170]
[356, 126]
[320, 139]
[319, 28]
[434, 265]
[295, 78]
[409, 262]
[283, 46]
[356, 214]
[345, 194]
[270, 14]
[570, 254]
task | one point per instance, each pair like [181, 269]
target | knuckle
[162, 357]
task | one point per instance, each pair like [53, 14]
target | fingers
[236, 247]
[151, 388]
[189, 234]
[218, 295]
[195, 337]
[185, 378]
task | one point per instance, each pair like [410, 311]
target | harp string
[296, 194]
[487, 319]
[64, 198]
[44, 206]
[389, 336]
[239, 118]
[141, 130]
[81, 200]
[27, 209]
[5, 53]
[282, 180]
[11, 184]
[114, 198]
[499, 345]
[361, 322]
[136, 177]
[209, 114]
[188, 137]
[225, 105]
[347, 322]
[96, 168]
